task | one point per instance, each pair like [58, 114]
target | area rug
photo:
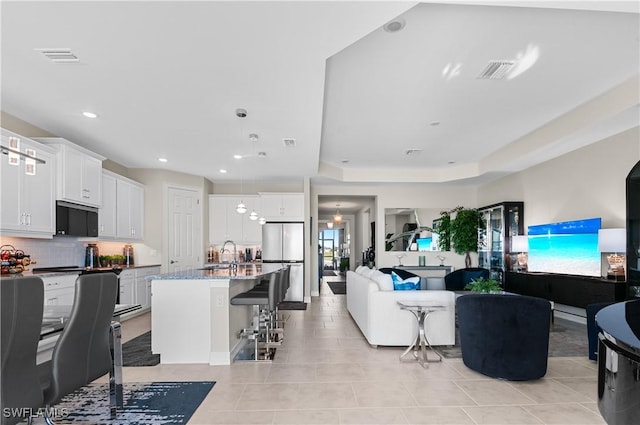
[137, 352]
[328, 273]
[566, 339]
[292, 305]
[145, 403]
[338, 288]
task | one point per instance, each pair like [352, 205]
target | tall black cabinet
[633, 232]
[499, 222]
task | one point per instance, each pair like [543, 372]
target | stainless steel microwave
[76, 220]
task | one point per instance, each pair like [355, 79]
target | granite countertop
[245, 271]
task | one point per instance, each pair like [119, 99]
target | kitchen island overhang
[192, 320]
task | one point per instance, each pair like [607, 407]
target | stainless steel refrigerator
[283, 244]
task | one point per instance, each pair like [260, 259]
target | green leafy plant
[483, 285]
[464, 232]
[443, 229]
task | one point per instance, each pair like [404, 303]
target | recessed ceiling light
[89, 114]
[345, 161]
[451, 162]
[237, 156]
[222, 170]
[434, 123]
[253, 137]
[163, 159]
[262, 154]
[395, 25]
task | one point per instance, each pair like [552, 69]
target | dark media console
[573, 290]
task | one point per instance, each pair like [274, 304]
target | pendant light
[337, 217]
[330, 225]
[253, 216]
[262, 221]
[241, 208]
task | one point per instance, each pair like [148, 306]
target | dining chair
[22, 301]
[82, 353]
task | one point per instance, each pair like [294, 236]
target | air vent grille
[412, 152]
[289, 143]
[61, 55]
[496, 70]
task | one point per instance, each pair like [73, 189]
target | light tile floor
[326, 373]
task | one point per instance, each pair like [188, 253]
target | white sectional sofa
[380, 318]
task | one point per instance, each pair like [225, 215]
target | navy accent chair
[593, 328]
[504, 336]
[458, 279]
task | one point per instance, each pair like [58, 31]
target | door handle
[173, 261]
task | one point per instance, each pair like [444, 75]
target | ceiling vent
[496, 70]
[289, 143]
[62, 55]
[412, 152]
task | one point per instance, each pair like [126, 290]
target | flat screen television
[568, 247]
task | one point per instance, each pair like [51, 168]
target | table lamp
[613, 242]
[520, 244]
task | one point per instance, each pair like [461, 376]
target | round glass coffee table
[421, 310]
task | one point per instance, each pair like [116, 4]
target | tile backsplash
[69, 251]
[59, 251]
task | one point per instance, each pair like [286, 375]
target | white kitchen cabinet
[143, 288]
[225, 223]
[127, 288]
[251, 229]
[129, 209]
[282, 206]
[107, 212]
[27, 207]
[60, 289]
[78, 172]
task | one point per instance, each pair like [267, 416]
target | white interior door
[184, 229]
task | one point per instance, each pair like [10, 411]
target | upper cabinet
[79, 173]
[225, 223]
[27, 188]
[108, 210]
[282, 206]
[122, 210]
[130, 209]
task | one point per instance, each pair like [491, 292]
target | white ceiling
[166, 78]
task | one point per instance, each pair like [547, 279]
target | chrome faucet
[235, 251]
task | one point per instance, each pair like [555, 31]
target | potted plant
[443, 229]
[488, 286]
[464, 232]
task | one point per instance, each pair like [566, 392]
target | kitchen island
[192, 320]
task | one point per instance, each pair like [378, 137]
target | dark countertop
[621, 324]
[70, 271]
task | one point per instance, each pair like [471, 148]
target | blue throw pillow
[408, 284]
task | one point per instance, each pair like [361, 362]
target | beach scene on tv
[569, 247]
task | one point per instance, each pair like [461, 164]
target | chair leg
[47, 415]
[115, 374]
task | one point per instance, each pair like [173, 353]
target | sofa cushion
[384, 281]
[409, 284]
[367, 272]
